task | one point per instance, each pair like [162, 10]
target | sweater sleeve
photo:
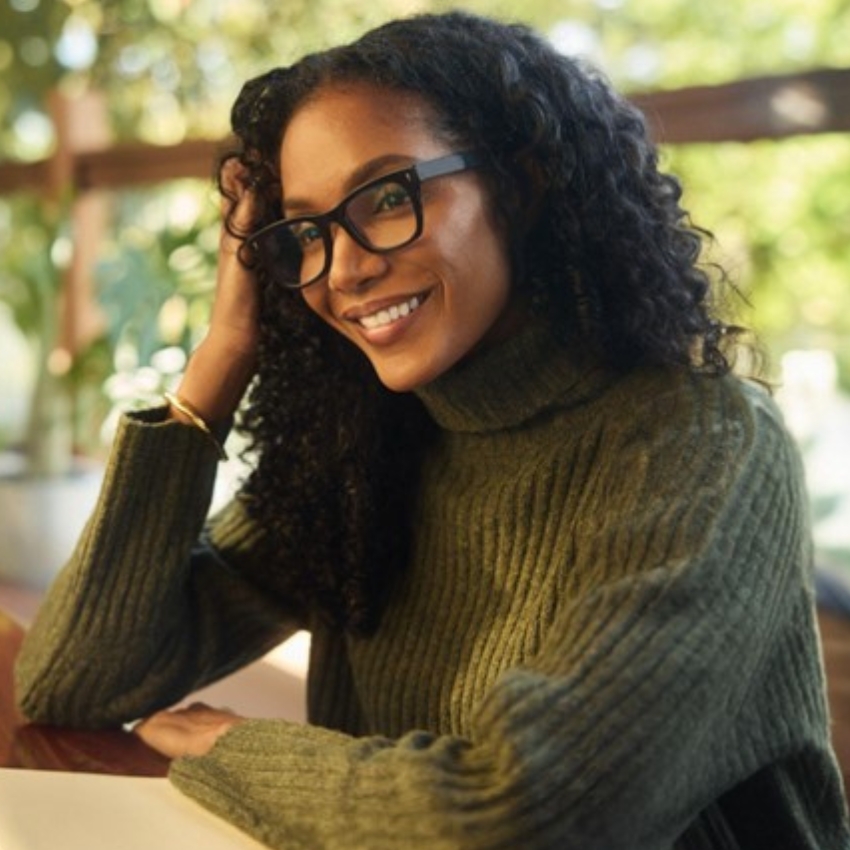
[148, 609]
[685, 602]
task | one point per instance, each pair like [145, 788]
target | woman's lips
[384, 323]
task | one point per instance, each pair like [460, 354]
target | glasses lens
[383, 214]
[308, 250]
[294, 251]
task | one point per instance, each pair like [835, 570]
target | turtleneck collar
[511, 382]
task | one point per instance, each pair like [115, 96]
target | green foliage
[30, 282]
[672, 43]
[29, 279]
[29, 68]
[780, 212]
[158, 269]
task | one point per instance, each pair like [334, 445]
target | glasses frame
[412, 177]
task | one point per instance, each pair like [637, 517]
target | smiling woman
[451, 262]
[479, 347]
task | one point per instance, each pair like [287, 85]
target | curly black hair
[600, 249]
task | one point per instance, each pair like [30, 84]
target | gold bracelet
[196, 419]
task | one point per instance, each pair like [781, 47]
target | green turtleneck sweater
[604, 639]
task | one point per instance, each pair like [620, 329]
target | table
[35, 746]
[835, 637]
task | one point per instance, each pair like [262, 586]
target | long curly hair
[600, 249]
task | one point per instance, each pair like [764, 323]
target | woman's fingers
[192, 730]
[236, 181]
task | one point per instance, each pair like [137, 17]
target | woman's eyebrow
[360, 175]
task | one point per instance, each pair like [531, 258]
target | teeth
[391, 314]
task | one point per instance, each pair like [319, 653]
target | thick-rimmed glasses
[381, 215]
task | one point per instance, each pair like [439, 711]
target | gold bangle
[196, 419]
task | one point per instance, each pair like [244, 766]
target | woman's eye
[389, 197]
[306, 234]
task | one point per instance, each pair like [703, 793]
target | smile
[391, 314]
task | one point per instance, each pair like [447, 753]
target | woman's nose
[352, 265]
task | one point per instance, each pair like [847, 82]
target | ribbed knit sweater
[604, 639]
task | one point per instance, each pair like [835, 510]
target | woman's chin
[404, 377]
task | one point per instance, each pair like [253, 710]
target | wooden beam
[128, 164]
[82, 127]
[140, 164]
[24, 176]
[742, 111]
[758, 108]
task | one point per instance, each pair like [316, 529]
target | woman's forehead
[333, 137]
[360, 111]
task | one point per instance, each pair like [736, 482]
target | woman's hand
[234, 316]
[222, 366]
[190, 731]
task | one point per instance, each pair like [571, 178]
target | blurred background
[110, 117]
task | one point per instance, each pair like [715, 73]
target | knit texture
[604, 640]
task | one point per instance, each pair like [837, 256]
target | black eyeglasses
[381, 215]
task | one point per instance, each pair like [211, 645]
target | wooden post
[82, 128]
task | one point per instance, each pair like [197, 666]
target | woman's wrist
[215, 380]
[183, 410]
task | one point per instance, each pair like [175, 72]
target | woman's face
[418, 310]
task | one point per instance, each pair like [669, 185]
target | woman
[552, 553]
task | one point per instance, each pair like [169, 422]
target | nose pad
[352, 266]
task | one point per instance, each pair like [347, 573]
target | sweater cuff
[159, 417]
[258, 777]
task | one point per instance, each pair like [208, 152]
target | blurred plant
[780, 212]
[167, 66]
[29, 68]
[30, 285]
[155, 281]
